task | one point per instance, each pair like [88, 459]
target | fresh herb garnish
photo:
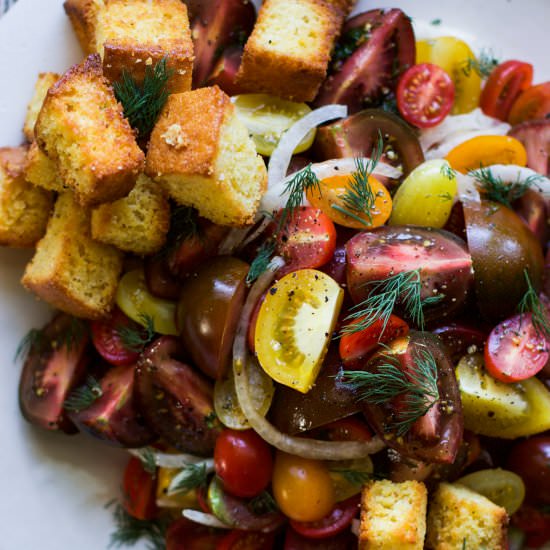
[497, 190]
[483, 65]
[142, 103]
[531, 303]
[34, 339]
[261, 262]
[348, 43]
[447, 171]
[211, 420]
[135, 339]
[445, 197]
[418, 388]
[435, 22]
[84, 396]
[188, 478]
[262, 504]
[148, 461]
[355, 477]
[403, 288]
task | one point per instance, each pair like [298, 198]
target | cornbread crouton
[203, 157]
[69, 270]
[393, 516]
[81, 127]
[24, 209]
[289, 49]
[461, 518]
[43, 84]
[42, 171]
[137, 223]
[81, 14]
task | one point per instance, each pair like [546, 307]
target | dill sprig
[130, 530]
[34, 339]
[532, 303]
[495, 189]
[261, 504]
[188, 478]
[483, 65]
[418, 387]
[348, 43]
[183, 223]
[135, 339]
[359, 197]
[84, 396]
[148, 461]
[403, 288]
[447, 171]
[355, 477]
[142, 103]
[261, 261]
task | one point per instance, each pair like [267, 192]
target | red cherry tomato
[184, 534]
[355, 345]
[139, 491]
[503, 87]
[345, 429]
[308, 241]
[425, 95]
[243, 461]
[332, 524]
[107, 340]
[535, 523]
[246, 540]
[533, 103]
[514, 350]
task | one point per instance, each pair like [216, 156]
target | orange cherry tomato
[329, 197]
[485, 151]
[532, 104]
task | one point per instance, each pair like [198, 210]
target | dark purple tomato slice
[114, 416]
[342, 541]
[159, 279]
[225, 70]
[175, 399]
[502, 249]
[246, 540]
[443, 261]
[435, 437]
[460, 338]
[55, 363]
[184, 534]
[385, 49]
[532, 208]
[535, 136]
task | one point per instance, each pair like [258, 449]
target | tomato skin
[243, 461]
[184, 534]
[139, 489]
[354, 345]
[308, 241]
[333, 523]
[345, 429]
[302, 487]
[425, 95]
[514, 351]
[504, 86]
[535, 523]
[533, 103]
[246, 540]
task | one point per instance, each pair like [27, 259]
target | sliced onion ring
[280, 159]
[306, 448]
[204, 519]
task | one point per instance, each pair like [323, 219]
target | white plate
[54, 487]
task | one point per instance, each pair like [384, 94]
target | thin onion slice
[233, 240]
[166, 460]
[307, 448]
[204, 519]
[467, 189]
[280, 159]
[514, 174]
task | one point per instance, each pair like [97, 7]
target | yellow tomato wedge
[453, 56]
[183, 499]
[330, 198]
[483, 151]
[426, 196]
[349, 476]
[295, 325]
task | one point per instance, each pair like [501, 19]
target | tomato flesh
[139, 488]
[425, 95]
[532, 104]
[514, 350]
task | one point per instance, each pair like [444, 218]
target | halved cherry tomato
[330, 198]
[139, 491]
[333, 523]
[354, 345]
[295, 325]
[107, 340]
[532, 104]
[514, 350]
[308, 240]
[486, 150]
[425, 95]
[243, 462]
[246, 540]
[503, 87]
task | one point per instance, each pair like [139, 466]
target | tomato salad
[386, 317]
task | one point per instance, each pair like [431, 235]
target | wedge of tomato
[532, 104]
[506, 82]
[139, 491]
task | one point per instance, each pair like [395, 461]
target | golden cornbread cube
[81, 127]
[288, 52]
[81, 14]
[137, 223]
[42, 171]
[393, 516]
[71, 271]
[24, 209]
[461, 518]
[43, 84]
[202, 155]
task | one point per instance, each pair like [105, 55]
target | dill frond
[347, 44]
[84, 396]
[531, 303]
[355, 477]
[261, 262]
[135, 339]
[483, 65]
[188, 478]
[34, 339]
[146, 456]
[447, 171]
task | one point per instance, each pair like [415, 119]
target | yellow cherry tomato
[330, 198]
[349, 476]
[295, 325]
[487, 150]
[183, 499]
[453, 56]
[302, 487]
[426, 196]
